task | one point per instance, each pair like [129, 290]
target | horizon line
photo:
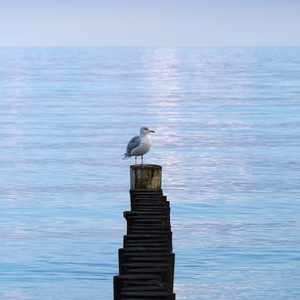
[280, 46]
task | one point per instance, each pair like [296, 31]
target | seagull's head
[146, 130]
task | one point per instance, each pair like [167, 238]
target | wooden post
[145, 177]
[146, 261]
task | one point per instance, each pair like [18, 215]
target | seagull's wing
[133, 143]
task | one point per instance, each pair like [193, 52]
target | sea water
[227, 134]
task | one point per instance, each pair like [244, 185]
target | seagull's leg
[142, 160]
[135, 160]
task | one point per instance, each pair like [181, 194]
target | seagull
[139, 145]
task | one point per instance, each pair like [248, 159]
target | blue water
[227, 124]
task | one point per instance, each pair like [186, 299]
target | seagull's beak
[152, 131]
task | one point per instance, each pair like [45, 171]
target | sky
[149, 23]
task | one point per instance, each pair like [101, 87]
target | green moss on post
[145, 177]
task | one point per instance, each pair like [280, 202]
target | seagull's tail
[125, 156]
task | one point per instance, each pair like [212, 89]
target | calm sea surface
[227, 124]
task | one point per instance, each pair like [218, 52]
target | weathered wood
[145, 177]
[146, 261]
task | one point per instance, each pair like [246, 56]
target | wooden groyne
[146, 261]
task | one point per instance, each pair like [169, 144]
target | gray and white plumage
[139, 145]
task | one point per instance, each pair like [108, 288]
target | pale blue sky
[150, 23]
